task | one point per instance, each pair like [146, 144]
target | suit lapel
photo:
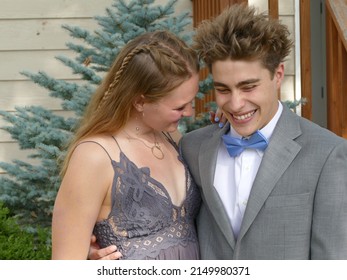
[278, 156]
[207, 165]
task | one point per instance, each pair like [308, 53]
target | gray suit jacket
[297, 207]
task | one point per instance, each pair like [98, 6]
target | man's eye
[221, 90]
[248, 88]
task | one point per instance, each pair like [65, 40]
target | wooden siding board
[40, 34]
[25, 93]
[287, 89]
[20, 9]
[14, 62]
[286, 7]
[262, 5]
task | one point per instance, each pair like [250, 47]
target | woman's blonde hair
[151, 65]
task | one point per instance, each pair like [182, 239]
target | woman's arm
[79, 201]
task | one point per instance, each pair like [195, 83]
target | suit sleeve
[329, 221]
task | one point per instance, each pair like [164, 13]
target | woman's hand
[108, 253]
[218, 117]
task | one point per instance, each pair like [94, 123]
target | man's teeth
[243, 117]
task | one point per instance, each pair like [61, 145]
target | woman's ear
[139, 102]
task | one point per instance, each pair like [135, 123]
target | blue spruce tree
[29, 190]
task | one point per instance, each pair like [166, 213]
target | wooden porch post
[273, 8]
[336, 22]
[305, 58]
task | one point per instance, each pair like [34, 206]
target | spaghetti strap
[170, 139]
[116, 142]
[168, 136]
[98, 144]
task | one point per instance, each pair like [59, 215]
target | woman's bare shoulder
[96, 147]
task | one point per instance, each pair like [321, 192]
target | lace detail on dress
[143, 220]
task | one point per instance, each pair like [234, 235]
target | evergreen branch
[58, 88]
[86, 73]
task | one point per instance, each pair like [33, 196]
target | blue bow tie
[235, 146]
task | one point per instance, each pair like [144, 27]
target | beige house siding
[30, 38]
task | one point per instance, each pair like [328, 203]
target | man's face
[247, 93]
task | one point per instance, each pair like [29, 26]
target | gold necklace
[156, 150]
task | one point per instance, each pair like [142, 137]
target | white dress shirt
[234, 176]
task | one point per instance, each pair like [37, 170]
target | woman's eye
[180, 108]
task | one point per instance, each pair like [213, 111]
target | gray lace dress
[143, 222]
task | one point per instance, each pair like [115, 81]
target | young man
[285, 195]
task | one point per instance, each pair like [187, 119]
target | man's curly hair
[239, 33]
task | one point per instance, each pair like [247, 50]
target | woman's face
[165, 114]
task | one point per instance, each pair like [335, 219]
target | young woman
[123, 178]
